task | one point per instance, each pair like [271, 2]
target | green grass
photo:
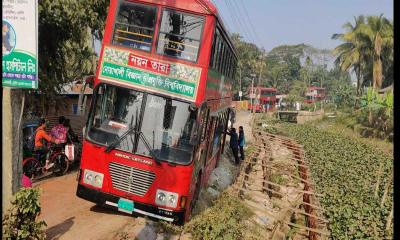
[226, 219]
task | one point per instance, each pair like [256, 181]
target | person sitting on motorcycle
[40, 138]
[59, 131]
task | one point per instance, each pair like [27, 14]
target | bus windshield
[169, 126]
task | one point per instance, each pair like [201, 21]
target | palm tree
[352, 53]
[377, 35]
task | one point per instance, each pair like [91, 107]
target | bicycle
[35, 165]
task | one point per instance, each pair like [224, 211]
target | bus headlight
[161, 197]
[165, 198]
[93, 178]
[172, 199]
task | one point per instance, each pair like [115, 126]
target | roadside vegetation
[355, 177]
[228, 218]
[20, 221]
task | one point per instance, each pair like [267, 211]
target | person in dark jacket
[241, 142]
[234, 144]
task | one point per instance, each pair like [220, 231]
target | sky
[270, 23]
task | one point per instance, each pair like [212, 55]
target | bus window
[180, 35]
[134, 26]
[116, 110]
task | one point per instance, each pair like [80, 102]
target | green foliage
[20, 220]
[297, 92]
[225, 220]
[343, 94]
[346, 171]
[367, 50]
[376, 114]
[66, 33]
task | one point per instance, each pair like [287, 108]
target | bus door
[209, 147]
[204, 123]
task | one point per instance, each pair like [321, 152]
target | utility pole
[252, 91]
[240, 83]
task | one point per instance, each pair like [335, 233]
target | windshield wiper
[117, 141]
[141, 135]
[149, 148]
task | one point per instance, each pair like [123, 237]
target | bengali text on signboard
[19, 44]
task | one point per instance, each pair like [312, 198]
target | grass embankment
[354, 177]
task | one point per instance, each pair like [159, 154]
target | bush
[225, 220]
[330, 107]
[307, 107]
[379, 123]
[20, 220]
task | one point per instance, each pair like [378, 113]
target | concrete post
[12, 147]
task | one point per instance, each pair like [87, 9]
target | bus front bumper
[140, 209]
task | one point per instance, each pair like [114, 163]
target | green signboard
[19, 44]
[126, 67]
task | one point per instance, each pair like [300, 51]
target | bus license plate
[125, 205]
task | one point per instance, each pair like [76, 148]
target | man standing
[234, 144]
[241, 142]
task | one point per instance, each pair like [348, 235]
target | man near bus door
[40, 137]
[234, 144]
[241, 142]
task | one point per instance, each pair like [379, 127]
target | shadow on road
[58, 230]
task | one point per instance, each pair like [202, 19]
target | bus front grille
[130, 179]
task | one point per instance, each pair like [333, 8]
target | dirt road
[70, 217]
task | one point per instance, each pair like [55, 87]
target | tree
[297, 91]
[66, 33]
[377, 34]
[367, 44]
[277, 75]
[251, 58]
[351, 54]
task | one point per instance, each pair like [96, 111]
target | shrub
[20, 220]
[225, 220]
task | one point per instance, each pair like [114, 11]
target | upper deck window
[134, 26]
[180, 35]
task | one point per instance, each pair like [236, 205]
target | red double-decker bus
[265, 99]
[314, 94]
[162, 97]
